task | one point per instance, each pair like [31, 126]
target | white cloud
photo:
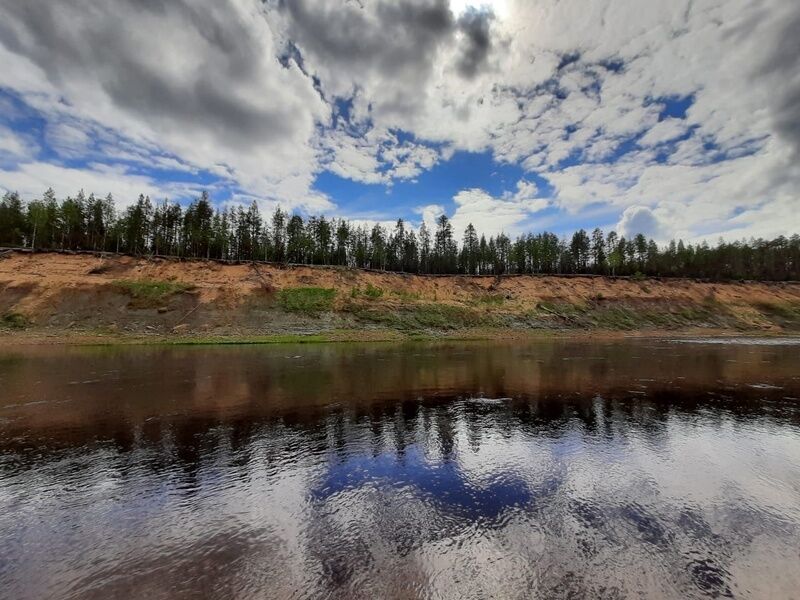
[33, 178]
[694, 200]
[68, 140]
[429, 214]
[198, 80]
[509, 214]
[641, 219]
[377, 156]
[665, 131]
[556, 86]
[15, 146]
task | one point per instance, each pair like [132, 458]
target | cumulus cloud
[376, 156]
[429, 213]
[411, 65]
[350, 45]
[641, 219]
[474, 26]
[199, 79]
[580, 94]
[509, 214]
[33, 178]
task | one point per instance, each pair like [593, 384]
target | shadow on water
[568, 469]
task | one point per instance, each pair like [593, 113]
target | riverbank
[49, 337]
[30, 337]
[56, 298]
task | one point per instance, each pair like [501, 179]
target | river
[553, 469]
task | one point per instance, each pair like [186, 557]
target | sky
[672, 118]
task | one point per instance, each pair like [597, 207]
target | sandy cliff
[119, 294]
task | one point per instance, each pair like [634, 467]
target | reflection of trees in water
[434, 423]
[185, 446]
[377, 473]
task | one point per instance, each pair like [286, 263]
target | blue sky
[512, 115]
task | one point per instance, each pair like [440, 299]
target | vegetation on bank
[14, 320]
[149, 293]
[370, 291]
[428, 316]
[785, 314]
[561, 315]
[166, 228]
[27, 336]
[307, 300]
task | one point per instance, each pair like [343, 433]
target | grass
[621, 317]
[149, 293]
[567, 309]
[665, 317]
[105, 343]
[425, 317]
[785, 313]
[618, 318]
[490, 300]
[371, 292]
[407, 296]
[307, 300]
[14, 320]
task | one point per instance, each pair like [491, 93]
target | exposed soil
[46, 294]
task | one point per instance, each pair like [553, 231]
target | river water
[551, 469]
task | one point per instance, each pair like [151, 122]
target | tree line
[236, 233]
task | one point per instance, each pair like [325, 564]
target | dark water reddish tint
[628, 469]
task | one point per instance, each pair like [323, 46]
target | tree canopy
[241, 233]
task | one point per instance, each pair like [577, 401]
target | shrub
[14, 320]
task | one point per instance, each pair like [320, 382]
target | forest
[241, 234]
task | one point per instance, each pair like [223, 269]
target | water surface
[557, 469]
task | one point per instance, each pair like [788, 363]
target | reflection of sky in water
[441, 483]
[568, 492]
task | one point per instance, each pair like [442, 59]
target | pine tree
[599, 251]
[279, 235]
[12, 220]
[471, 249]
[424, 248]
